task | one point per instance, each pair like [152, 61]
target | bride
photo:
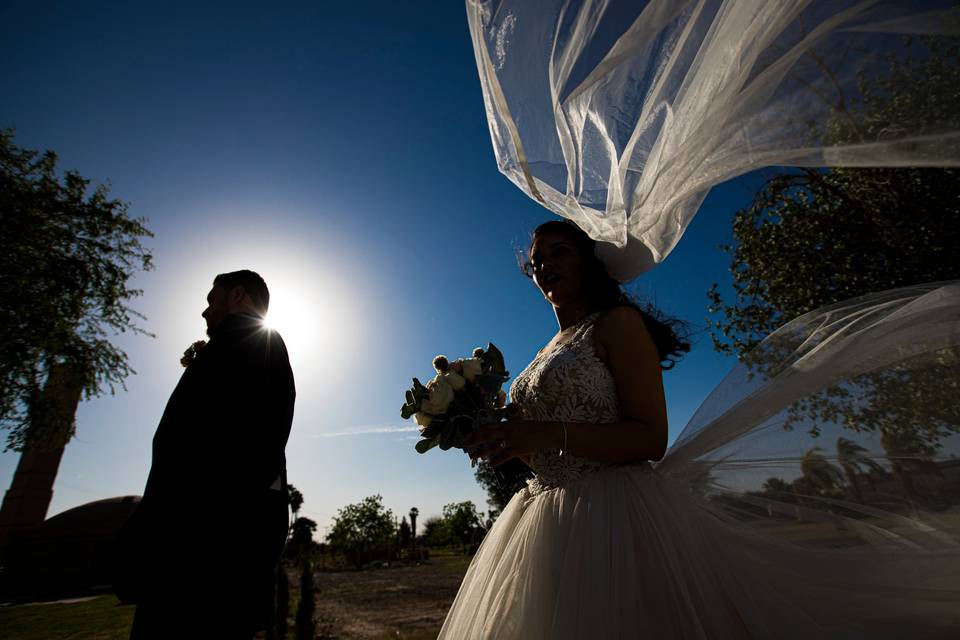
[602, 544]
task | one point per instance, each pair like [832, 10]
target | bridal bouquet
[464, 395]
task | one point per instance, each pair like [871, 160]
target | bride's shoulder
[620, 319]
[621, 327]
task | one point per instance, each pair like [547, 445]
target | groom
[198, 555]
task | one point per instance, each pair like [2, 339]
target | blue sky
[341, 150]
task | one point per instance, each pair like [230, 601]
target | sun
[312, 304]
[296, 320]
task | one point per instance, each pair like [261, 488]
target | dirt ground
[407, 602]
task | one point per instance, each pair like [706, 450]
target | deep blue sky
[341, 149]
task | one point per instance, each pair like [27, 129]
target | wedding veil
[621, 115]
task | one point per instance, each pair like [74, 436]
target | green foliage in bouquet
[415, 396]
[463, 396]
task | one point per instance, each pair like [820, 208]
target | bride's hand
[502, 441]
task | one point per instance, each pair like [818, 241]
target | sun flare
[299, 322]
[312, 305]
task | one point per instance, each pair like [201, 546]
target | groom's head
[235, 292]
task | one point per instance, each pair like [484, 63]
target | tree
[67, 254]
[414, 512]
[301, 550]
[463, 522]
[361, 528]
[404, 533]
[778, 489]
[819, 472]
[813, 237]
[300, 545]
[295, 499]
[436, 533]
[854, 459]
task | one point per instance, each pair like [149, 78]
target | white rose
[472, 367]
[422, 419]
[454, 379]
[441, 395]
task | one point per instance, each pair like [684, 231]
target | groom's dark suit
[213, 519]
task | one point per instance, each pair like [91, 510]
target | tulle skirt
[815, 494]
[626, 553]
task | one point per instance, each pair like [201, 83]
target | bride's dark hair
[669, 334]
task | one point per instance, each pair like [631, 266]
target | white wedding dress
[751, 526]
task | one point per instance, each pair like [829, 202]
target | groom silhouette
[199, 553]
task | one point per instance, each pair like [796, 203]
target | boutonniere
[191, 353]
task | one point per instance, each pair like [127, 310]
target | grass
[402, 602]
[102, 618]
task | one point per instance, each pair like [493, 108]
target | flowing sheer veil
[831, 456]
[841, 429]
[621, 115]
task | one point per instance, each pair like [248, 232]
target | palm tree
[853, 460]
[414, 512]
[296, 500]
[822, 476]
[909, 457]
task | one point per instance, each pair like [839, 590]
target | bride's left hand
[502, 441]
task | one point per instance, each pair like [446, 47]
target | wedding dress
[815, 493]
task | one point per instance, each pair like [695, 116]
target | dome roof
[102, 517]
[68, 553]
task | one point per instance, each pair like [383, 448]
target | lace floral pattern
[569, 383]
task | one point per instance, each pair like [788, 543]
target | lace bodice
[568, 383]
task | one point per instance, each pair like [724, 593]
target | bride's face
[557, 268]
